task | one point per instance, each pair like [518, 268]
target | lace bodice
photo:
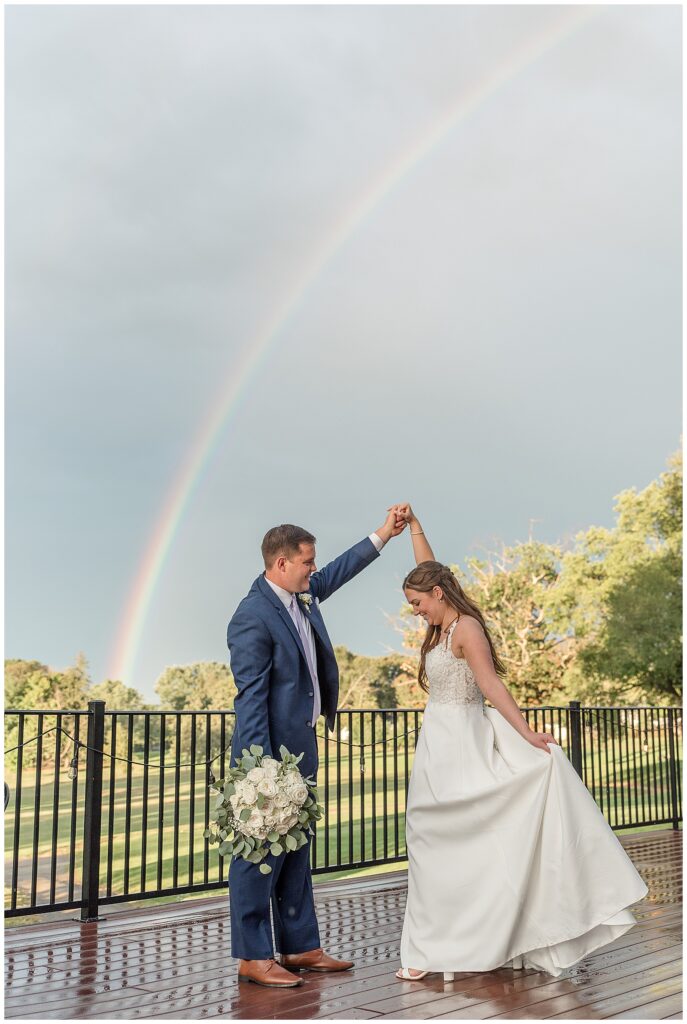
[451, 680]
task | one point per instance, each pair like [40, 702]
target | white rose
[256, 774]
[267, 787]
[249, 793]
[299, 793]
[236, 797]
[282, 799]
[271, 766]
[256, 822]
[284, 818]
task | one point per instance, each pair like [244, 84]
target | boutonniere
[307, 601]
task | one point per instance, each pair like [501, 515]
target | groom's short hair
[284, 540]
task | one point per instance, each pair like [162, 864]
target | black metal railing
[110, 806]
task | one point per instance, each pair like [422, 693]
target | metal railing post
[672, 768]
[93, 806]
[576, 736]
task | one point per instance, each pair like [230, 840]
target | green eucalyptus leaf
[303, 817]
[245, 814]
[256, 750]
[276, 849]
[207, 833]
[265, 869]
[239, 847]
[273, 837]
[290, 842]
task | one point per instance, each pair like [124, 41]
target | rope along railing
[130, 825]
[177, 764]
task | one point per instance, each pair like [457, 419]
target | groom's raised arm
[250, 647]
[326, 581]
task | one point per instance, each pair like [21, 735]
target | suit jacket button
[309, 724]
[310, 693]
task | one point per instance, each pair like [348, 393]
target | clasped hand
[402, 512]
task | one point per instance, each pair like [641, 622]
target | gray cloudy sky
[498, 340]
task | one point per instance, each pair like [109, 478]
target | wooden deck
[171, 962]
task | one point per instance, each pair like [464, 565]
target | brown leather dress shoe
[314, 960]
[267, 973]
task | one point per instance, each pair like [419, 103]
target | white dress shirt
[285, 598]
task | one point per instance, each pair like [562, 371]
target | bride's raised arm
[421, 548]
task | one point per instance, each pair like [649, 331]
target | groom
[286, 676]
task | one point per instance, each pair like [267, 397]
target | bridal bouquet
[263, 806]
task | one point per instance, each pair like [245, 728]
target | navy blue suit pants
[289, 889]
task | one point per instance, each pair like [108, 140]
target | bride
[510, 861]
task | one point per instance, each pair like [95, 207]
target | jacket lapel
[267, 592]
[316, 622]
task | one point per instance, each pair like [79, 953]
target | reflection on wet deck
[172, 962]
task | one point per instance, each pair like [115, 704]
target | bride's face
[426, 605]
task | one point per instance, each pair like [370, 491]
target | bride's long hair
[424, 577]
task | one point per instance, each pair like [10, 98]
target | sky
[294, 264]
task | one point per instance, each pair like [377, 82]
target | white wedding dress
[510, 861]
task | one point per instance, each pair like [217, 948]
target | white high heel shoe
[403, 973]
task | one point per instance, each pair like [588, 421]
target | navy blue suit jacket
[274, 702]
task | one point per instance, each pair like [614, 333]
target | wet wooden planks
[172, 962]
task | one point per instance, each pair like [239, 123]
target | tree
[620, 597]
[204, 685]
[70, 688]
[119, 697]
[31, 684]
[25, 682]
[386, 682]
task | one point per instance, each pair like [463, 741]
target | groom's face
[297, 568]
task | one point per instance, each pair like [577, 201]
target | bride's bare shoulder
[467, 626]
[467, 632]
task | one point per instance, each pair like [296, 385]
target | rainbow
[254, 354]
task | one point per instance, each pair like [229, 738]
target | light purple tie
[297, 617]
